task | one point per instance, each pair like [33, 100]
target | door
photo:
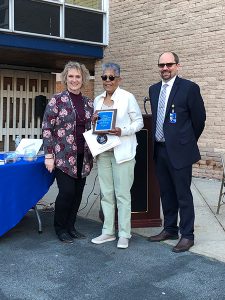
[18, 90]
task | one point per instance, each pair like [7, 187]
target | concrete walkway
[209, 227]
[39, 267]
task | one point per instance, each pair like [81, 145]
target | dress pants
[115, 182]
[176, 196]
[68, 199]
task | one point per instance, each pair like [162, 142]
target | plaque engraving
[105, 122]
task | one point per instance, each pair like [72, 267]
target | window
[83, 25]
[82, 20]
[4, 14]
[37, 17]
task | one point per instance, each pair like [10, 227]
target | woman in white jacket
[116, 166]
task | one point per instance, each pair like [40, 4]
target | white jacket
[129, 119]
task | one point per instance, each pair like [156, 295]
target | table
[22, 185]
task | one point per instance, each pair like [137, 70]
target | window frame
[63, 5]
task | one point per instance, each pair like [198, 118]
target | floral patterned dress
[59, 133]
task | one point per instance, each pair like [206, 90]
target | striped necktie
[159, 136]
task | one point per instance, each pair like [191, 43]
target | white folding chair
[222, 189]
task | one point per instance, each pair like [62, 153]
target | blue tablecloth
[22, 185]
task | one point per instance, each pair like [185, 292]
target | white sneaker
[103, 238]
[123, 243]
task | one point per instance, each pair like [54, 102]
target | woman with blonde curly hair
[67, 115]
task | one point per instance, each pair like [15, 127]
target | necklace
[73, 101]
[108, 102]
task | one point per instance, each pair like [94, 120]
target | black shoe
[76, 234]
[65, 238]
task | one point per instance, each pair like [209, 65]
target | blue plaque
[106, 121]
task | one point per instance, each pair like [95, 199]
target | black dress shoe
[164, 235]
[183, 245]
[65, 238]
[76, 234]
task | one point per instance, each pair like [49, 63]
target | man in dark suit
[178, 115]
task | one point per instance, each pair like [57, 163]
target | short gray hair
[113, 66]
[80, 67]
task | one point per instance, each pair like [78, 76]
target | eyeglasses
[110, 77]
[168, 65]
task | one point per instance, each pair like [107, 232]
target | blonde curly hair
[80, 67]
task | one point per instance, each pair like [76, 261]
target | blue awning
[18, 41]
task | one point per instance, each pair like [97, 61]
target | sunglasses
[168, 65]
[110, 77]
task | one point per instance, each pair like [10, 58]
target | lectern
[145, 197]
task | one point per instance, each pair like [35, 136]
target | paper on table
[29, 144]
[97, 148]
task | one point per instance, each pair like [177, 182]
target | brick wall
[140, 30]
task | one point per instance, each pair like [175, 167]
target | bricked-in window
[96, 4]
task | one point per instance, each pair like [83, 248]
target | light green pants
[115, 183]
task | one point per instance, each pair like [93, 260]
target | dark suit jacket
[181, 137]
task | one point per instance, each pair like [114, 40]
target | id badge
[173, 117]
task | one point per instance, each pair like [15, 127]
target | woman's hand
[94, 118]
[50, 164]
[116, 131]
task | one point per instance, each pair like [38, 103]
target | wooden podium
[145, 197]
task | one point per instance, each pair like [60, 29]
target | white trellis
[18, 90]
